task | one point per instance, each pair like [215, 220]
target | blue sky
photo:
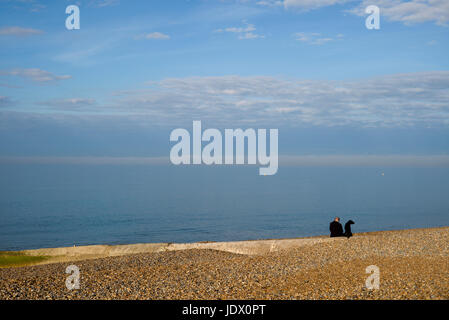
[138, 69]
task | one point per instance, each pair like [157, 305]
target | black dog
[348, 232]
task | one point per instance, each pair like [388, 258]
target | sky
[135, 70]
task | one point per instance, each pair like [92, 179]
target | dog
[348, 232]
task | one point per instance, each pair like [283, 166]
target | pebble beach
[413, 264]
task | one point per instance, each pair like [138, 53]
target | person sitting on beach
[335, 228]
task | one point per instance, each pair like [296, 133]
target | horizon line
[356, 160]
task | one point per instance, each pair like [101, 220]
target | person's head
[337, 219]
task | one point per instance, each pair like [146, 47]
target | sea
[55, 205]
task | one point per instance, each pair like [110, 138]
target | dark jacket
[336, 229]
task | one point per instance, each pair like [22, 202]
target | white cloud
[394, 101]
[245, 32]
[311, 4]
[250, 35]
[19, 31]
[32, 5]
[270, 3]
[37, 7]
[157, 36]
[405, 11]
[315, 38]
[409, 12]
[103, 3]
[70, 103]
[391, 101]
[34, 74]
[248, 28]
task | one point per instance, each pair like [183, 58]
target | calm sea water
[65, 205]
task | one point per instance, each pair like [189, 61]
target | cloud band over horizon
[400, 100]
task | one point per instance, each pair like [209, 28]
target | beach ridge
[247, 247]
[412, 264]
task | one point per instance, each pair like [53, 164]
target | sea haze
[66, 205]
